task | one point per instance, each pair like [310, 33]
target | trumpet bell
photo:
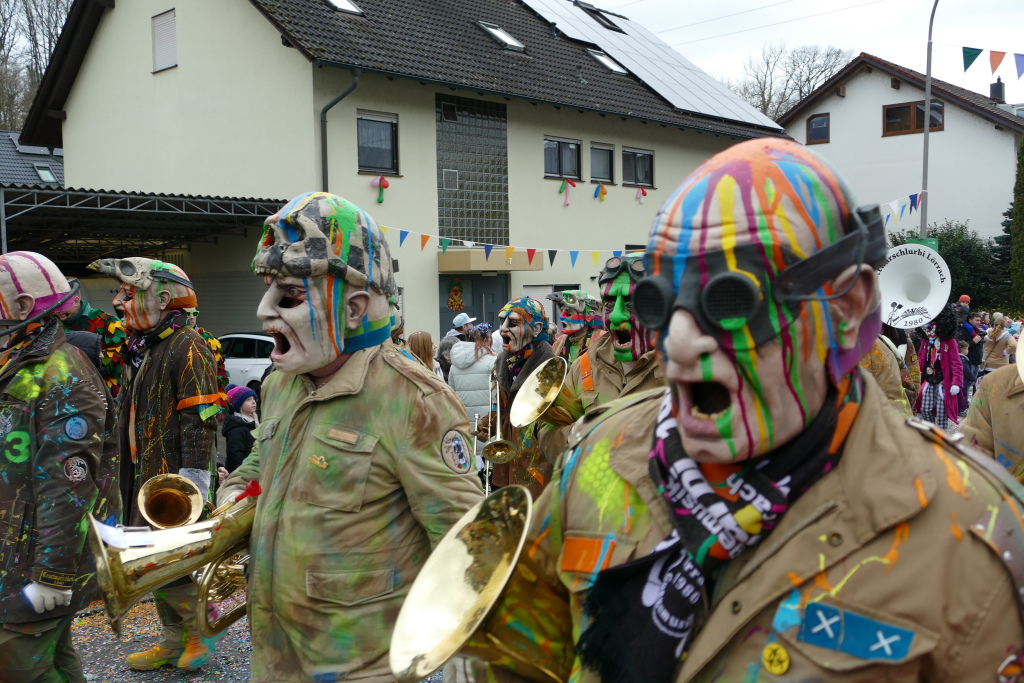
[460, 581]
[538, 392]
[500, 452]
[167, 501]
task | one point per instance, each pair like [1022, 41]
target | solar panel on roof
[664, 70]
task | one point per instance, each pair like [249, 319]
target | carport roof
[74, 227]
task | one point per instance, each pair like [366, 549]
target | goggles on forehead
[616, 264]
[737, 296]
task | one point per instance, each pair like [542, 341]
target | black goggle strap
[614, 266]
[866, 244]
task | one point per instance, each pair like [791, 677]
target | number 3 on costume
[16, 446]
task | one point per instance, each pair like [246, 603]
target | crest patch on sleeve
[76, 428]
[76, 469]
[454, 452]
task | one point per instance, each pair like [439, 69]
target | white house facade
[868, 121]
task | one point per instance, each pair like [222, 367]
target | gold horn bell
[478, 564]
[133, 561]
[537, 394]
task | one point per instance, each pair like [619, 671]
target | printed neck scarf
[140, 341]
[516, 361]
[642, 615]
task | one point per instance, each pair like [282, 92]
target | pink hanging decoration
[640, 194]
[564, 189]
[382, 183]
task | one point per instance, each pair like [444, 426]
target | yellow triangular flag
[384, 229]
[597, 257]
[508, 253]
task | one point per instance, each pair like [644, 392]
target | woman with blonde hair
[999, 346]
[422, 348]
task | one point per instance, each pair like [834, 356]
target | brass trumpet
[498, 451]
[479, 563]
[168, 501]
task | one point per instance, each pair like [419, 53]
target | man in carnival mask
[81, 317]
[525, 346]
[620, 361]
[769, 516]
[59, 466]
[166, 425]
[579, 321]
[363, 455]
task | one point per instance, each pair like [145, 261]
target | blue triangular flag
[552, 253]
[487, 251]
[887, 217]
[617, 254]
[903, 208]
[572, 257]
[401, 236]
[913, 202]
[1019, 59]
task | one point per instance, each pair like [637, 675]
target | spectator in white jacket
[470, 375]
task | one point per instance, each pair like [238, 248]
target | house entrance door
[482, 298]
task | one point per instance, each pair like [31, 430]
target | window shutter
[165, 44]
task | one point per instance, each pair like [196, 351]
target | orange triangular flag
[995, 59]
[423, 241]
[508, 253]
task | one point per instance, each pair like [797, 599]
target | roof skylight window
[344, 6]
[502, 36]
[608, 61]
[599, 16]
[45, 174]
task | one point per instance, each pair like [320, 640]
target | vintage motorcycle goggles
[744, 297]
[615, 265]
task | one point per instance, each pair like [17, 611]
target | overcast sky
[896, 30]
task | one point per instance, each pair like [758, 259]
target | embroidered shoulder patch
[854, 634]
[76, 469]
[76, 428]
[454, 452]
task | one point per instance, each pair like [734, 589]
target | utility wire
[778, 23]
[734, 14]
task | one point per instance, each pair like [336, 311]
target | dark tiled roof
[442, 43]
[976, 102]
[18, 162]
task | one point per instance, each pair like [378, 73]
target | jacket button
[835, 539]
[736, 606]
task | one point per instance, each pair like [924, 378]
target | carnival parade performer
[363, 455]
[619, 362]
[579, 321]
[769, 516]
[166, 424]
[81, 317]
[60, 465]
[525, 346]
[942, 375]
[993, 424]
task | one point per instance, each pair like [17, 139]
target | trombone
[498, 451]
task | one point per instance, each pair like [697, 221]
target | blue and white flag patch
[854, 634]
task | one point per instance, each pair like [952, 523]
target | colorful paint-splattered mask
[519, 331]
[733, 292]
[576, 309]
[26, 272]
[631, 339]
[142, 281]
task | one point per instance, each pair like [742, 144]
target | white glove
[954, 390]
[200, 478]
[44, 597]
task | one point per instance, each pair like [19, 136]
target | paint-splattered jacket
[167, 414]
[893, 542]
[881, 363]
[361, 478]
[995, 420]
[594, 381]
[59, 465]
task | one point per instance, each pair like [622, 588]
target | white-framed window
[165, 41]
[602, 162]
[377, 138]
[608, 61]
[561, 157]
[502, 36]
[45, 173]
[637, 167]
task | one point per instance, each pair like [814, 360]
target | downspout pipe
[323, 125]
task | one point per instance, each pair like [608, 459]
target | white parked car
[246, 357]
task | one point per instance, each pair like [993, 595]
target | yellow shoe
[197, 652]
[153, 658]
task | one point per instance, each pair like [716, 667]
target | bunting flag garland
[423, 241]
[552, 253]
[382, 184]
[913, 202]
[572, 257]
[903, 207]
[887, 217]
[487, 251]
[444, 244]
[384, 229]
[995, 59]
[402, 234]
[596, 255]
[970, 54]
[894, 206]
[508, 253]
[530, 253]
[1019, 59]
[617, 254]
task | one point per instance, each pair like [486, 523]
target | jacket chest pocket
[334, 467]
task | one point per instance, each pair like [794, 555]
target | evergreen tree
[1000, 282]
[1017, 235]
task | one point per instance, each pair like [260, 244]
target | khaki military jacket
[607, 381]
[893, 542]
[995, 420]
[361, 477]
[882, 365]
